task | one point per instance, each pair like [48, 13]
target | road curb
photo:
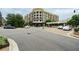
[13, 45]
[57, 33]
[68, 34]
[72, 35]
[75, 36]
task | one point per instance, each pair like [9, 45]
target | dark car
[9, 27]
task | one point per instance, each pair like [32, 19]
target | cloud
[22, 11]
[63, 13]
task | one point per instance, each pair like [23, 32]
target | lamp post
[1, 20]
[74, 11]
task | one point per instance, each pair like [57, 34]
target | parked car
[9, 27]
[67, 28]
[60, 27]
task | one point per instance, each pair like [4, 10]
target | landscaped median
[76, 32]
[4, 43]
[7, 44]
[73, 35]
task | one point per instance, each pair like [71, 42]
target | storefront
[49, 24]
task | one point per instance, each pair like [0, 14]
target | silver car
[67, 28]
[60, 27]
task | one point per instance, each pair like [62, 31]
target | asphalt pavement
[37, 39]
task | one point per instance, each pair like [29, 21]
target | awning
[55, 23]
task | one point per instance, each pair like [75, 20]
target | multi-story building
[38, 16]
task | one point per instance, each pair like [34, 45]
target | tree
[49, 20]
[15, 20]
[74, 21]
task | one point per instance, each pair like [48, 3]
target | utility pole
[1, 21]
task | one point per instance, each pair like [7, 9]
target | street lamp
[74, 11]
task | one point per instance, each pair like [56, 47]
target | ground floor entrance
[48, 24]
[38, 24]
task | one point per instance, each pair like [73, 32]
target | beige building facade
[38, 16]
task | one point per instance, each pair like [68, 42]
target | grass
[3, 42]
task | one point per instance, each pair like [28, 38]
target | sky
[63, 13]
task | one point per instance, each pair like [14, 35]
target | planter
[11, 46]
[3, 42]
[5, 49]
[76, 33]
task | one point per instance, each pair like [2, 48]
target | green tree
[49, 20]
[15, 20]
[74, 21]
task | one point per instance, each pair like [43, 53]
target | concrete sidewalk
[57, 31]
[13, 45]
[72, 34]
[61, 32]
[76, 35]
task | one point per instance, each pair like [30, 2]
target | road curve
[37, 39]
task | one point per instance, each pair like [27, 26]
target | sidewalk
[61, 32]
[57, 31]
[72, 34]
[76, 36]
[13, 45]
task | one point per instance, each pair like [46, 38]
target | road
[37, 39]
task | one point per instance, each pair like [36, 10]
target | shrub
[76, 29]
[3, 42]
[48, 20]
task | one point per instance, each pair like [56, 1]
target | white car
[60, 27]
[67, 28]
[27, 26]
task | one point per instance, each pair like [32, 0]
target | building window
[37, 15]
[37, 11]
[34, 15]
